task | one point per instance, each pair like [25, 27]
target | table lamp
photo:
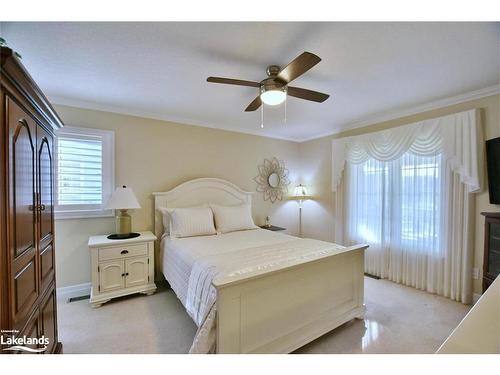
[300, 196]
[123, 199]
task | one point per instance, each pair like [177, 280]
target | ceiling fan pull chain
[262, 117]
[285, 111]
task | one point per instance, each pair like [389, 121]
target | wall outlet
[475, 273]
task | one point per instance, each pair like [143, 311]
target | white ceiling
[159, 70]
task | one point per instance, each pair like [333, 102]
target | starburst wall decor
[272, 179]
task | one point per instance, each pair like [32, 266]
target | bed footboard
[282, 310]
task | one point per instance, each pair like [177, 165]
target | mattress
[178, 255]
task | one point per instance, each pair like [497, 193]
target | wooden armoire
[27, 263]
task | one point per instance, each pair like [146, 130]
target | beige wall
[153, 155]
[315, 157]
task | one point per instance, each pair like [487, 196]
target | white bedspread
[191, 264]
[178, 255]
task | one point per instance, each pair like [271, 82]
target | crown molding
[376, 118]
[59, 100]
[414, 110]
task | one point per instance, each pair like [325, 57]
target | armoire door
[32, 330]
[24, 286]
[48, 319]
[45, 206]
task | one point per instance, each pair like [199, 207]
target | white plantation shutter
[84, 172]
[79, 167]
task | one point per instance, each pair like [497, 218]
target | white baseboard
[475, 297]
[74, 291]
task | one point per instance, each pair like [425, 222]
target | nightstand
[121, 267]
[272, 228]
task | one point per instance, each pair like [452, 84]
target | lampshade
[123, 199]
[301, 193]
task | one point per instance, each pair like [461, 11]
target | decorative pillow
[189, 222]
[233, 218]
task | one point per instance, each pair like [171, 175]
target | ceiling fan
[274, 89]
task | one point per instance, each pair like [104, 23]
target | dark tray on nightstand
[273, 228]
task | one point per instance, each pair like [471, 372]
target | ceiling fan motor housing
[271, 84]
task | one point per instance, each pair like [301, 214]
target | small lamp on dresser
[300, 196]
[123, 199]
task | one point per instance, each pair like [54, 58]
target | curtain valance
[457, 136]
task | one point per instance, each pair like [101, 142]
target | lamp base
[123, 236]
[123, 223]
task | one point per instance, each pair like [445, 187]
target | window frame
[108, 174]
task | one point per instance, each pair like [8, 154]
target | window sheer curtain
[407, 193]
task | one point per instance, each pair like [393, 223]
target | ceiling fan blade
[255, 104]
[314, 96]
[230, 81]
[298, 67]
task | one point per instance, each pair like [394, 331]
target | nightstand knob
[124, 252]
[123, 275]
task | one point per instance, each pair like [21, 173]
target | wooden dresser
[27, 264]
[491, 263]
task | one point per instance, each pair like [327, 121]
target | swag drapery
[375, 176]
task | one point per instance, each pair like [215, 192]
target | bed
[256, 291]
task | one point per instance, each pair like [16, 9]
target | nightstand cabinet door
[111, 276]
[136, 271]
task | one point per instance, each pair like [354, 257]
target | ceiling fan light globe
[273, 97]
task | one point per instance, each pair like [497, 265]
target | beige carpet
[398, 320]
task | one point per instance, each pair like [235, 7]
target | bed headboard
[196, 192]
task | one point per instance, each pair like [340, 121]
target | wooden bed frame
[280, 310]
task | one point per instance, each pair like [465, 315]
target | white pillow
[233, 218]
[165, 214]
[189, 222]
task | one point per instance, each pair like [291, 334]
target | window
[407, 193]
[84, 172]
[396, 204]
[420, 196]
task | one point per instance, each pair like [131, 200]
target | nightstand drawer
[117, 252]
